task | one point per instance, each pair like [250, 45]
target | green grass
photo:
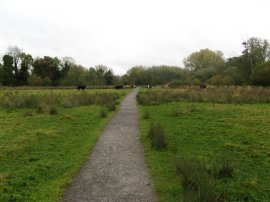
[41, 151]
[209, 133]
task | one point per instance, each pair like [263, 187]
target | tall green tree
[8, 77]
[109, 77]
[23, 75]
[16, 53]
[261, 74]
[1, 74]
[101, 71]
[257, 51]
[47, 67]
[205, 63]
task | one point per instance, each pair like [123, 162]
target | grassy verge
[219, 148]
[41, 151]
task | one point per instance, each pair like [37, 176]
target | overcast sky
[125, 33]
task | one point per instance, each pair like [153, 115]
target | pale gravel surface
[116, 169]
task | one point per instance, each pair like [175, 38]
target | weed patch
[157, 136]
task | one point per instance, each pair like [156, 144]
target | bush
[261, 74]
[111, 107]
[53, 110]
[197, 184]
[157, 136]
[103, 113]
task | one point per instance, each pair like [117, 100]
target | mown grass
[42, 149]
[229, 142]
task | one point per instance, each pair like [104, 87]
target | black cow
[81, 87]
[118, 87]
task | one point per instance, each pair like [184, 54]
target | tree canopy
[203, 66]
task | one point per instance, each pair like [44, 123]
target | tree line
[21, 69]
[251, 67]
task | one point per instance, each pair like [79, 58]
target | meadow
[46, 136]
[211, 145]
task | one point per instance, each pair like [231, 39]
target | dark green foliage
[8, 78]
[109, 77]
[47, 67]
[157, 136]
[205, 66]
[23, 74]
[155, 75]
[261, 74]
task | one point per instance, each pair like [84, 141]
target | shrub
[103, 113]
[111, 107]
[197, 184]
[157, 136]
[53, 110]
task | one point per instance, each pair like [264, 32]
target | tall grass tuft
[157, 136]
[111, 106]
[222, 168]
[53, 110]
[103, 113]
[197, 185]
[40, 109]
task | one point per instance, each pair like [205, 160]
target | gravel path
[116, 169]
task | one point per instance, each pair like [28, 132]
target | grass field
[41, 151]
[219, 148]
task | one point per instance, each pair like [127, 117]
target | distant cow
[118, 87]
[202, 86]
[81, 87]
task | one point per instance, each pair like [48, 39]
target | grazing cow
[202, 86]
[81, 87]
[149, 86]
[118, 87]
